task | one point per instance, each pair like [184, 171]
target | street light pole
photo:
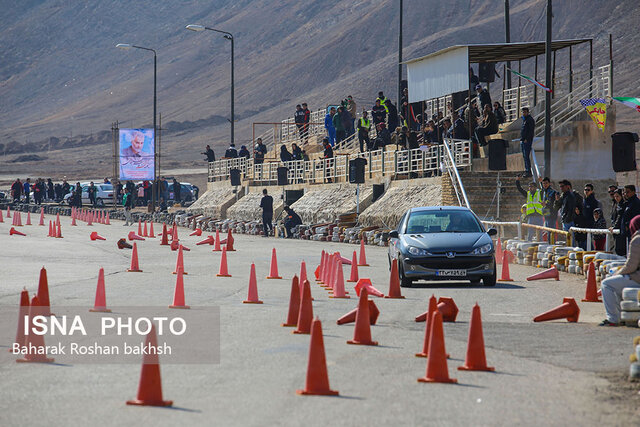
[154, 184]
[507, 38]
[547, 104]
[400, 59]
[227, 35]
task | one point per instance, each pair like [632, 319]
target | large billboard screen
[136, 154]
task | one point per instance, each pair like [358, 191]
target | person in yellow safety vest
[533, 210]
[383, 101]
[364, 127]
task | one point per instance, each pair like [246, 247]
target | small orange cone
[294, 303]
[150, 387]
[338, 287]
[174, 232]
[32, 340]
[145, 230]
[165, 236]
[273, 271]
[208, 241]
[2, 219]
[139, 228]
[22, 313]
[591, 293]
[362, 331]
[50, 229]
[95, 236]
[448, 308]
[551, 273]
[122, 244]
[365, 283]
[498, 255]
[394, 282]
[217, 247]
[59, 232]
[353, 277]
[100, 304]
[8, 211]
[151, 235]
[476, 359]
[317, 382]
[567, 310]
[305, 312]
[107, 222]
[28, 218]
[437, 370]
[252, 297]
[318, 270]
[89, 218]
[224, 272]
[363, 257]
[196, 232]
[350, 317]
[325, 277]
[18, 219]
[13, 231]
[41, 216]
[303, 272]
[73, 220]
[427, 330]
[180, 262]
[230, 242]
[133, 236]
[505, 277]
[134, 260]
[178, 293]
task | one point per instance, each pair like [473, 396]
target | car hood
[444, 242]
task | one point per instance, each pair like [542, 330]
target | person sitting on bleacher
[489, 125]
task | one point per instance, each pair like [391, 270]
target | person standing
[27, 190]
[328, 125]
[244, 152]
[77, 193]
[533, 207]
[37, 191]
[266, 203]
[620, 240]
[306, 118]
[328, 156]
[259, 152]
[364, 127]
[211, 156]
[92, 191]
[347, 122]
[51, 195]
[392, 118]
[127, 204]
[599, 240]
[285, 155]
[590, 204]
[352, 108]
[631, 210]
[612, 204]
[298, 119]
[176, 191]
[379, 113]
[339, 126]
[483, 96]
[565, 204]
[548, 199]
[526, 139]
[231, 152]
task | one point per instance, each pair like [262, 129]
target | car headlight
[417, 251]
[482, 250]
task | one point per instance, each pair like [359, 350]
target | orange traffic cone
[174, 245]
[133, 236]
[338, 287]
[591, 293]
[318, 270]
[273, 271]
[178, 293]
[134, 260]
[448, 308]
[252, 297]
[95, 236]
[568, 309]
[19, 219]
[325, 279]
[174, 232]
[498, 255]
[34, 342]
[366, 283]
[305, 312]
[180, 261]
[2, 219]
[165, 236]
[89, 218]
[43, 293]
[362, 331]
[41, 216]
[139, 228]
[230, 242]
[150, 387]
[208, 241]
[107, 222]
[551, 273]
[100, 304]
[50, 230]
[8, 211]
[224, 272]
[437, 370]
[196, 232]
[122, 244]
[13, 231]
[28, 218]
[505, 277]
[294, 303]
[476, 359]
[394, 281]
[59, 232]
[363, 257]
[145, 231]
[73, 220]
[217, 247]
[353, 277]
[151, 235]
[427, 330]
[317, 382]
[350, 317]
[303, 272]
[22, 313]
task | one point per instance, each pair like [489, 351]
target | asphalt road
[551, 373]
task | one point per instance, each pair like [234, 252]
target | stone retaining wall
[215, 201]
[248, 208]
[326, 203]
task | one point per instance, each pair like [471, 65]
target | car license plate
[452, 273]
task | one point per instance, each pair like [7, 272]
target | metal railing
[451, 163]
[590, 232]
[514, 99]
[422, 161]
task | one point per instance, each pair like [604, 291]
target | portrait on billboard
[136, 154]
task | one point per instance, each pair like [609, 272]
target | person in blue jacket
[328, 125]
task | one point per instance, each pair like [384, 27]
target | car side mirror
[492, 232]
[393, 234]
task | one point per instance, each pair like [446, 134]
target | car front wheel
[404, 281]
[490, 280]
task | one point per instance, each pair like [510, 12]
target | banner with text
[136, 150]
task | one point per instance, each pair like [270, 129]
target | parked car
[443, 243]
[104, 195]
[186, 194]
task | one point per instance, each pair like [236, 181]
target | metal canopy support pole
[553, 77]
[570, 69]
[610, 66]
[507, 38]
[358, 199]
[535, 87]
[399, 59]
[499, 190]
[155, 130]
[547, 105]
[590, 68]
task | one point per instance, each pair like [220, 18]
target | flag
[532, 80]
[597, 109]
[630, 102]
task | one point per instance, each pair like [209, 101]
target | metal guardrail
[451, 164]
[424, 161]
[591, 231]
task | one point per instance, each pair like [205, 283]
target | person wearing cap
[565, 203]
[244, 152]
[526, 138]
[291, 220]
[484, 97]
[533, 210]
[628, 276]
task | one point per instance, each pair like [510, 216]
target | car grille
[451, 263]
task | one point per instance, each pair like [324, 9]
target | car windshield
[442, 222]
